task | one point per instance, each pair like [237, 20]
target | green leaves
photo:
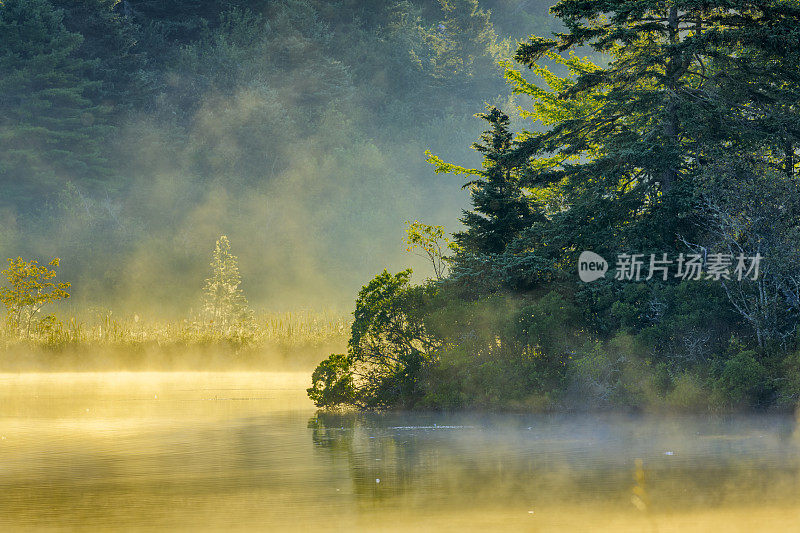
[332, 382]
[389, 348]
[379, 311]
[430, 242]
[530, 52]
[29, 289]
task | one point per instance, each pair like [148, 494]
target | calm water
[246, 451]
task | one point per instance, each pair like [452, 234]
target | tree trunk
[670, 174]
[789, 162]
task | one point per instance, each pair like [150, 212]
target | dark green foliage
[179, 21]
[486, 360]
[113, 54]
[744, 380]
[500, 209]
[50, 127]
[388, 350]
[551, 323]
[332, 382]
[463, 40]
[686, 141]
[669, 103]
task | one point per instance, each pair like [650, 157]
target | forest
[483, 145]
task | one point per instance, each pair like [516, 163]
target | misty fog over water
[248, 452]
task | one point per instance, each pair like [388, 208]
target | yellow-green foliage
[688, 393]
[430, 242]
[295, 328]
[29, 289]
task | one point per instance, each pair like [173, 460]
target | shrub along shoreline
[422, 347]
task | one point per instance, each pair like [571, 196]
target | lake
[247, 451]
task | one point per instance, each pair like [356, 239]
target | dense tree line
[73, 72]
[684, 144]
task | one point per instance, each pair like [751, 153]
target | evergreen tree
[465, 38]
[224, 302]
[687, 81]
[180, 21]
[622, 163]
[663, 93]
[544, 219]
[49, 127]
[500, 209]
[112, 51]
[464, 49]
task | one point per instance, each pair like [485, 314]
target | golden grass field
[298, 339]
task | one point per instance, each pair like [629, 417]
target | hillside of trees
[134, 132]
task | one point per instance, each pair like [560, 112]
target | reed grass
[304, 328]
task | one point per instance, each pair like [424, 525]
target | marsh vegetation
[223, 333]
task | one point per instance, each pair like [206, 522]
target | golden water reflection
[247, 452]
